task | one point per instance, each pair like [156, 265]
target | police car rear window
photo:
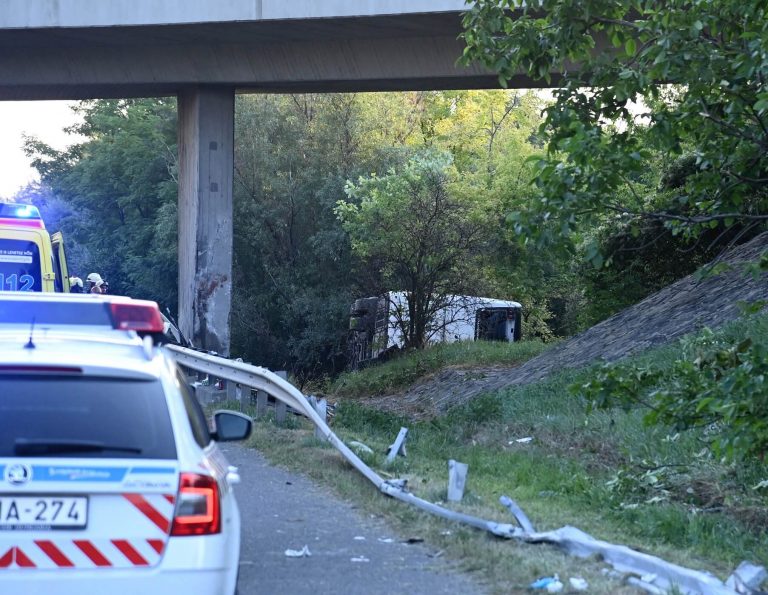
[19, 266]
[63, 416]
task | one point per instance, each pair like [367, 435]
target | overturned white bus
[376, 324]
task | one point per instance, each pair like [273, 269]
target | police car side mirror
[230, 425]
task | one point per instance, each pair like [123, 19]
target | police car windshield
[76, 416]
[19, 266]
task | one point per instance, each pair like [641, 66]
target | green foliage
[427, 236]
[719, 383]
[696, 70]
[119, 188]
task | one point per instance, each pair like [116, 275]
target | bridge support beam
[206, 148]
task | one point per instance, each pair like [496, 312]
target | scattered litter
[361, 447]
[436, 554]
[550, 584]
[386, 540]
[446, 533]
[525, 440]
[578, 583]
[414, 540]
[359, 559]
[302, 553]
[359, 538]
[288, 483]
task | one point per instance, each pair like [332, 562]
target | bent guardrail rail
[664, 575]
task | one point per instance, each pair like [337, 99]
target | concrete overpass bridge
[204, 52]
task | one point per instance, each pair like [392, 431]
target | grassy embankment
[650, 488]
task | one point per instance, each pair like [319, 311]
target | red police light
[136, 315]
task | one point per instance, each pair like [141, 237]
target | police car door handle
[233, 477]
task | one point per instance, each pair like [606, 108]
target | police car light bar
[50, 309]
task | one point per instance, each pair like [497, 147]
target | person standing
[94, 283]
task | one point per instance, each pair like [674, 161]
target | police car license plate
[43, 512]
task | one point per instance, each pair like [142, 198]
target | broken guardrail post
[457, 479]
[517, 512]
[398, 447]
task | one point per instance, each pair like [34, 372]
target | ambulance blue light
[27, 211]
[18, 211]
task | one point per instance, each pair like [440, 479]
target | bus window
[20, 266]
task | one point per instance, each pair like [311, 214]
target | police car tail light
[137, 315]
[197, 508]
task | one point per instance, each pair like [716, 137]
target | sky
[43, 119]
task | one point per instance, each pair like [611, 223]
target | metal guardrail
[259, 378]
[625, 560]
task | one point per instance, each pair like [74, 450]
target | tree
[120, 189]
[699, 72]
[425, 236]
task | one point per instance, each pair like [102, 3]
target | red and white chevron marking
[82, 553]
[150, 517]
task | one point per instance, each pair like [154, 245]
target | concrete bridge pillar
[206, 148]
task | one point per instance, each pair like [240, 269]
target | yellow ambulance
[30, 258]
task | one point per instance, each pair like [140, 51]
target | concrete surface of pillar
[206, 139]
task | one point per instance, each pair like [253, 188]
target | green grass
[650, 488]
[406, 369]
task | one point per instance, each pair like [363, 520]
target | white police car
[110, 479]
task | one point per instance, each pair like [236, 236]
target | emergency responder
[94, 283]
[75, 285]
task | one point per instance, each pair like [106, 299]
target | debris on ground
[359, 559]
[747, 578]
[302, 553]
[578, 584]
[361, 447]
[550, 584]
[525, 440]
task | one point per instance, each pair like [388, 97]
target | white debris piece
[361, 447]
[302, 553]
[359, 538]
[359, 559]
[747, 578]
[386, 540]
[578, 583]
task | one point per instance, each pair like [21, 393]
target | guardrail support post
[281, 409]
[261, 403]
[457, 479]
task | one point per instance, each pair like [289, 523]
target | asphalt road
[351, 553]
